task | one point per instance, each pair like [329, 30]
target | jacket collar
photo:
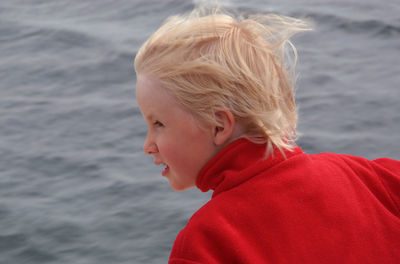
[238, 162]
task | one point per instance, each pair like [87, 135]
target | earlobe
[223, 132]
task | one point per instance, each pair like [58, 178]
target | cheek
[200, 150]
[187, 147]
[185, 155]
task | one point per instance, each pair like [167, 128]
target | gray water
[75, 186]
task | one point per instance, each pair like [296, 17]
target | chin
[180, 188]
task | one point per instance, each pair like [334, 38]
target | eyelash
[158, 124]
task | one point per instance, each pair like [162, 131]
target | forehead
[157, 102]
[147, 86]
[153, 98]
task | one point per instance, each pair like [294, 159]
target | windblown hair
[212, 61]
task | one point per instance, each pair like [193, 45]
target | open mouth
[165, 170]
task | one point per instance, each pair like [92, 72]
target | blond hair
[212, 61]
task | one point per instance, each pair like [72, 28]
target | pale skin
[176, 138]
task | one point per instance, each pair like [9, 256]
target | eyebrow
[149, 117]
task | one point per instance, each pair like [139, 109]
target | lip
[158, 162]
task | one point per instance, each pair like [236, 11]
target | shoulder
[358, 178]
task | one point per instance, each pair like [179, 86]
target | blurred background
[75, 186]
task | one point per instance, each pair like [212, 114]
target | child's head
[211, 62]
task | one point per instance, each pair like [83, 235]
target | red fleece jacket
[324, 208]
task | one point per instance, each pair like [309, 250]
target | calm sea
[75, 186]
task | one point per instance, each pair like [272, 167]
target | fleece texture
[293, 207]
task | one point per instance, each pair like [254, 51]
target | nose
[149, 146]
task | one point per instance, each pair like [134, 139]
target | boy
[217, 96]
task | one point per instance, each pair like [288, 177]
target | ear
[222, 133]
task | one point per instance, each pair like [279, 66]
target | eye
[158, 124]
